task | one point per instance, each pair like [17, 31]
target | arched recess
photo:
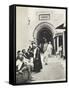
[44, 30]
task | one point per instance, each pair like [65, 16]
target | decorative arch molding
[42, 25]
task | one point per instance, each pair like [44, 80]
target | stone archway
[44, 30]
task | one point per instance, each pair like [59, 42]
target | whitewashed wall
[24, 29]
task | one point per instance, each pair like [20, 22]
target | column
[63, 44]
[57, 42]
[54, 45]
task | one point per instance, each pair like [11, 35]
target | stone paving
[54, 71]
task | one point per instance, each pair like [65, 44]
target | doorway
[44, 30]
[44, 33]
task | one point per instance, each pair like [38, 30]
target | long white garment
[45, 59]
[49, 49]
[28, 61]
[35, 52]
[45, 56]
[45, 47]
[19, 64]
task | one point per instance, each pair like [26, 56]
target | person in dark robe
[37, 60]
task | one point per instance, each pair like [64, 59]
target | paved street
[54, 71]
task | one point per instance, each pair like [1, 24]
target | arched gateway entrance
[44, 30]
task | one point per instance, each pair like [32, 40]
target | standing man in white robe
[49, 48]
[45, 56]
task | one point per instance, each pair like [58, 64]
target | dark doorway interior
[44, 33]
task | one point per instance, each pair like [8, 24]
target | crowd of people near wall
[28, 61]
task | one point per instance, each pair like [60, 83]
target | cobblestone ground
[54, 71]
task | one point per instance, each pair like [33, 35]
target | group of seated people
[24, 63]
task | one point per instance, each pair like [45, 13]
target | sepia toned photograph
[41, 54]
